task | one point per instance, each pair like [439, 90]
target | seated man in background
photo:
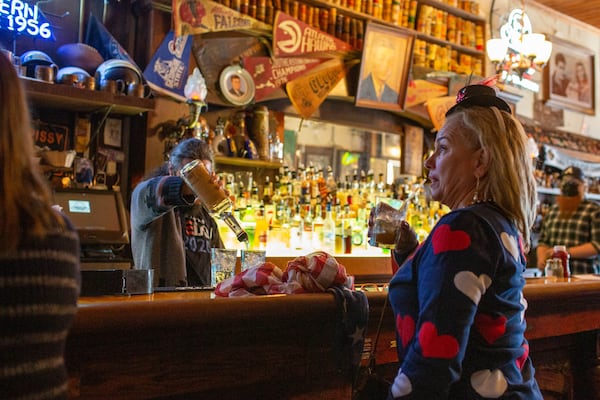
[573, 221]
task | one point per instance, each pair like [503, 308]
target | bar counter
[190, 345]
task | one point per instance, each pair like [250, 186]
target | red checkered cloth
[312, 273]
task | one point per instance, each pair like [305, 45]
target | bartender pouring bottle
[573, 222]
[170, 232]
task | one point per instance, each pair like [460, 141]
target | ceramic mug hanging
[236, 85]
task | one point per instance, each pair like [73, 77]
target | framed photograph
[236, 85]
[112, 132]
[569, 77]
[384, 67]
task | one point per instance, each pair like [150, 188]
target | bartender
[170, 231]
[574, 222]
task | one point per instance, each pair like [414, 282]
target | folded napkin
[312, 273]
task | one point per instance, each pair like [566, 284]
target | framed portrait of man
[384, 67]
[569, 77]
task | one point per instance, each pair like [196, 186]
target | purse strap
[371, 364]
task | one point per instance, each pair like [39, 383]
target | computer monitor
[98, 215]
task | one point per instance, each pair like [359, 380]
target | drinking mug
[45, 73]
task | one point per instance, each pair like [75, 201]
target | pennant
[420, 90]
[292, 37]
[309, 90]
[192, 17]
[168, 69]
[437, 107]
[100, 38]
[270, 73]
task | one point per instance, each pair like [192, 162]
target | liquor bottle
[197, 177]
[296, 229]
[307, 231]
[249, 225]
[329, 230]
[347, 222]
[318, 226]
[339, 230]
[261, 230]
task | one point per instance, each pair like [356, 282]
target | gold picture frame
[384, 67]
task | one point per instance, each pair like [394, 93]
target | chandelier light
[519, 52]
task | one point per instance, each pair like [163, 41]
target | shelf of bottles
[306, 210]
[449, 33]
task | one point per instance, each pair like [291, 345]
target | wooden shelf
[458, 47]
[453, 10]
[83, 100]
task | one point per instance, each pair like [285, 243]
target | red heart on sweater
[491, 328]
[445, 239]
[521, 360]
[434, 345]
[406, 329]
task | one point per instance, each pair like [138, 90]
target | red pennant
[270, 73]
[292, 37]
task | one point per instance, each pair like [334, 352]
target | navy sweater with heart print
[459, 312]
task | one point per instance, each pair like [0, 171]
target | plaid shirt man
[582, 226]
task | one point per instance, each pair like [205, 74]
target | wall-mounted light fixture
[195, 92]
[519, 52]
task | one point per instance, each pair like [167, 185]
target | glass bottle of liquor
[329, 230]
[261, 230]
[318, 225]
[307, 231]
[296, 229]
[339, 230]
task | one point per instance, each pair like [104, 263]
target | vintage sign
[22, 18]
[270, 73]
[292, 37]
[51, 136]
[420, 90]
[201, 16]
[309, 90]
[437, 107]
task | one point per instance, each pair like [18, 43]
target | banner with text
[271, 73]
[168, 70]
[292, 37]
[201, 16]
[310, 90]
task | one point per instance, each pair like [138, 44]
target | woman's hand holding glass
[388, 229]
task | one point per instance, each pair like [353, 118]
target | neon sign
[22, 18]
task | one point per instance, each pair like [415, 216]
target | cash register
[102, 223]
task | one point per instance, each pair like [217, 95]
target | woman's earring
[476, 194]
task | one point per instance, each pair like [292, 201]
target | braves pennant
[200, 16]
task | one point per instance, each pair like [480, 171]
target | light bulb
[496, 49]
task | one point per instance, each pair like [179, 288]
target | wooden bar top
[189, 344]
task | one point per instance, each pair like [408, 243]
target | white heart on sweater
[471, 285]
[489, 384]
[401, 385]
[511, 244]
